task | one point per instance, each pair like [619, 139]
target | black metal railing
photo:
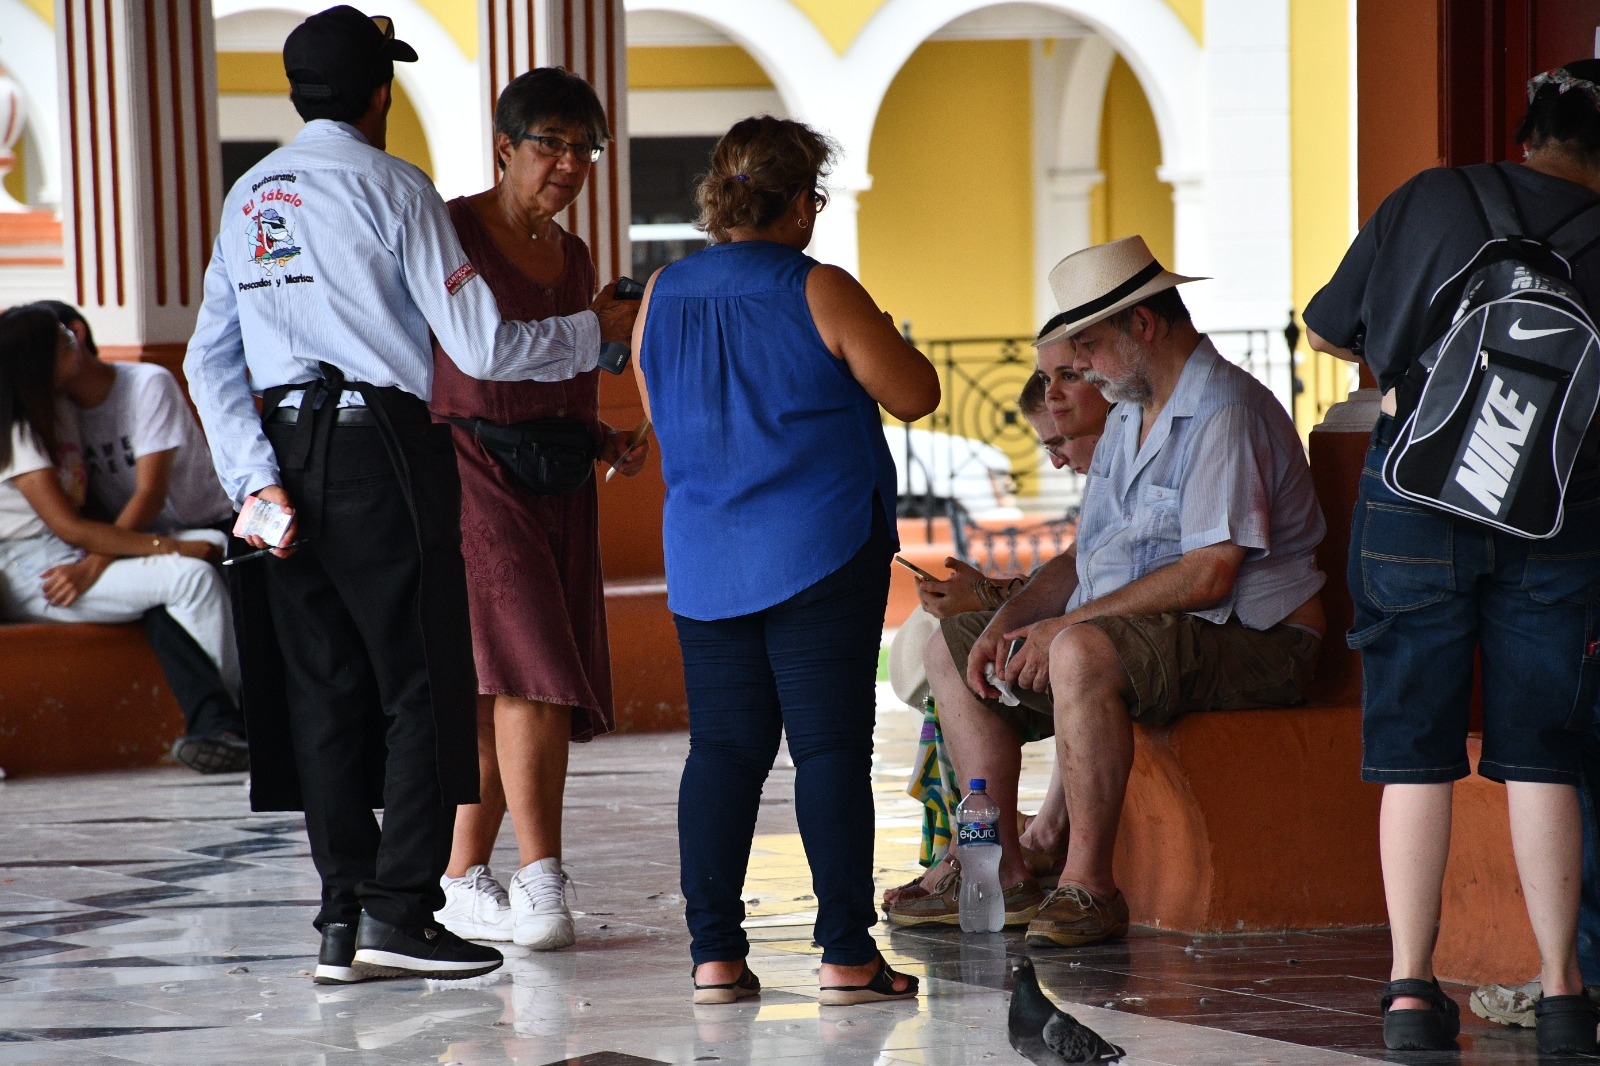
[977, 447]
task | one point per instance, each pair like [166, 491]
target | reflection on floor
[149, 917]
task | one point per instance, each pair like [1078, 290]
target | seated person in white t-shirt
[43, 537]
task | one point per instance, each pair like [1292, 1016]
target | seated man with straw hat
[1194, 586]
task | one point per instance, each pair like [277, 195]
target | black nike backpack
[1492, 414]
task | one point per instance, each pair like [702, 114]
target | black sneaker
[338, 952]
[384, 950]
[222, 753]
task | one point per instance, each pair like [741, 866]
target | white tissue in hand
[1007, 697]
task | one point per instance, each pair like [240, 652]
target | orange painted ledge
[1484, 933]
[82, 697]
[75, 698]
[1251, 821]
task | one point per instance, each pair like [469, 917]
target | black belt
[345, 416]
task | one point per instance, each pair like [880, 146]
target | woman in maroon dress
[533, 560]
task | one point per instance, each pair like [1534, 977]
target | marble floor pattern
[149, 917]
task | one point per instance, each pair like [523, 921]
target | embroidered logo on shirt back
[272, 244]
[464, 273]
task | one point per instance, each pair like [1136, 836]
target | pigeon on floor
[1044, 1035]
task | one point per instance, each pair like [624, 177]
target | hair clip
[1564, 81]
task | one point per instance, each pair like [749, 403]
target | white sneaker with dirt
[541, 920]
[476, 906]
[1515, 1004]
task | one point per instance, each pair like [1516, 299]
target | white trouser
[192, 591]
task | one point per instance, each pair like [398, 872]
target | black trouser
[194, 679]
[345, 609]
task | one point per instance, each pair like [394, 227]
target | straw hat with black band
[1100, 281]
[342, 54]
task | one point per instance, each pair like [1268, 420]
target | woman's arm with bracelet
[44, 495]
[966, 589]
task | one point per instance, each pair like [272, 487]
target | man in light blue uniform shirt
[1193, 585]
[333, 262]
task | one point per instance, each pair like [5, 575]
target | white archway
[28, 53]
[443, 86]
[843, 94]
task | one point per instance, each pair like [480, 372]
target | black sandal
[879, 989]
[1433, 1028]
[745, 986]
[1566, 1024]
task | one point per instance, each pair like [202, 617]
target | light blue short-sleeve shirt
[1222, 463]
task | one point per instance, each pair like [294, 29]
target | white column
[1247, 162]
[1069, 88]
[141, 168]
[1063, 224]
[838, 237]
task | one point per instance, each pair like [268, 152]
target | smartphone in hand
[914, 568]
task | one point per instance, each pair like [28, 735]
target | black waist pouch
[549, 456]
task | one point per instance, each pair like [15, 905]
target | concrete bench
[75, 698]
[81, 697]
[1250, 820]
[1259, 820]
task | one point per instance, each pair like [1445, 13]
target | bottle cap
[978, 784]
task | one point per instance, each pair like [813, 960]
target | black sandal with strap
[745, 986]
[879, 989]
[1566, 1024]
[1434, 1028]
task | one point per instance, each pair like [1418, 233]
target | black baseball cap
[342, 53]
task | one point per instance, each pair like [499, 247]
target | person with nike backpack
[1476, 534]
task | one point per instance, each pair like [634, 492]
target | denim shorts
[1433, 596]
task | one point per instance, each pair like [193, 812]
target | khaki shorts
[1176, 663]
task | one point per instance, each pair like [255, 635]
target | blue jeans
[805, 668]
[1432, 594]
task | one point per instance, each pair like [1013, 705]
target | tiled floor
[150, 917]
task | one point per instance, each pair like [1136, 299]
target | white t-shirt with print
[145, 413]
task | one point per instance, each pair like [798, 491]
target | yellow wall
[704, 67]
[459, 19]
[947, 231]
[17, 180]
[841, 20]
[1132, 200]
[261, 73]
[45, 8]
[1319, 159]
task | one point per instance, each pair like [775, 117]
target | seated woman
[764, 371]
[41, 532]
[1069, 415]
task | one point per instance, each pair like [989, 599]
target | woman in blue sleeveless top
[764, 371]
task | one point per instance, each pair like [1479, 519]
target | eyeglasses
[385, 26]
[819, 200]
[555, 147]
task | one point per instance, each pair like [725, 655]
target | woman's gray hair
[550, 94]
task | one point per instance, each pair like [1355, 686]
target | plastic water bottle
[978, 847]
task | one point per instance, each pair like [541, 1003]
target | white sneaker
[1507, 1004]
[539, 906]
[476, 906]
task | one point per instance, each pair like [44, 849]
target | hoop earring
[801, 222]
